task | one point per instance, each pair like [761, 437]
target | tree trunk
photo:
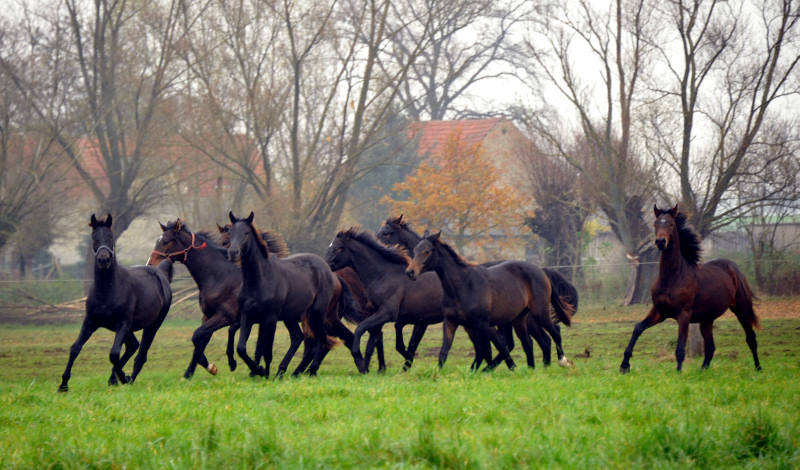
[644, 270]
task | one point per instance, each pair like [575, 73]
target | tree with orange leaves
[459, 192]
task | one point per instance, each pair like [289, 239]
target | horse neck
[205, 265]
[410, 239]
[106, 279]
[671, 262]
[254, 264]
[451, 273]
[369, 265]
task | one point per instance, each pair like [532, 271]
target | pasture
[588, 416]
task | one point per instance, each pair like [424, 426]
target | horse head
[102, 241]
[665, 226]
[426, 255]
[239, 233]
[175, 241]
[336, 255]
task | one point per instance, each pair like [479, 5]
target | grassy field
[588, 416]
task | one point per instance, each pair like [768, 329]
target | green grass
[589, 416]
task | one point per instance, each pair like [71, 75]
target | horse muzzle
[661, 243]
[412, 273]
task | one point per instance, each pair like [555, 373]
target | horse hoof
[624, 369]
[212, 369]
[63, 389]
[232, 365]
[564, 362]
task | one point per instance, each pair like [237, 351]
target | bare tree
[716, 101]
[613, 41]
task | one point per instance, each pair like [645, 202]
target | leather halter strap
[184, 252]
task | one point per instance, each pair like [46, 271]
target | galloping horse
[396, 298]
[481, 297]
[123, 300]
[218, 282]
[693, 292]
[301, 285]
[396, 231]
[349, 279]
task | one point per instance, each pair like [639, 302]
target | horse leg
[750, 335]
[379, 350]
[87, 329]
[652, 318]
[230, 349]
[266, 339]
[683, 335]
[377, 320]
[503, 331]
[521, 328]
[537, 332]
[296, 339]
[200, 338]
[131, 345]
[448, 333]
[483, 346]
[241, 347]
[374, 342]
[707, 330]
[399, 341]
[413, 343]
[309, 352]
[123, 328]
[500, 343]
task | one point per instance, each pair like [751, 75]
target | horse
[397, 231]
[396, 298]
[301, 285]
[123, 300]
[691, 291]
[218, 282]
[480, 297]
[364, 306]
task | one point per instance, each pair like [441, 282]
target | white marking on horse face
[663, 220]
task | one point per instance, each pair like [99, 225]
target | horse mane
[270, 243]
[689, 239]
[458, 258]
[394, 253]
[691, 249]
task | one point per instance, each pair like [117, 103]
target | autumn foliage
[458, 190]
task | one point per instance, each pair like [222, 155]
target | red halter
[184, 252]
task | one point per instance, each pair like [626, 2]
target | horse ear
[250, 218]
[221, 230]
[426, 233]
[656, 210]
[232, 217]
[108, 220]
[178, 225]
[163, 227]
[93, 221]
[674, 211]
[435, 236]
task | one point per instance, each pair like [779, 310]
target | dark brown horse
[123, 300]
[218, 282]
[396, 231]
[693, 292]
[346, 276]
[479, 297]
[396, 298]
[273, 289]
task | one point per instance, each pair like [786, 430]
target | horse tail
[744, 297]
[348, 308]
[563, 288]
[308, 332]
[563, 297]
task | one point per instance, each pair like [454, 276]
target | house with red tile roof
[500, 138]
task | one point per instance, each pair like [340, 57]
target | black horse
[481, 297]
[273, 289]
[396, 298]
[396, 231]
[693, 292]
[349, 280]
[218, 282]
[123, 300]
